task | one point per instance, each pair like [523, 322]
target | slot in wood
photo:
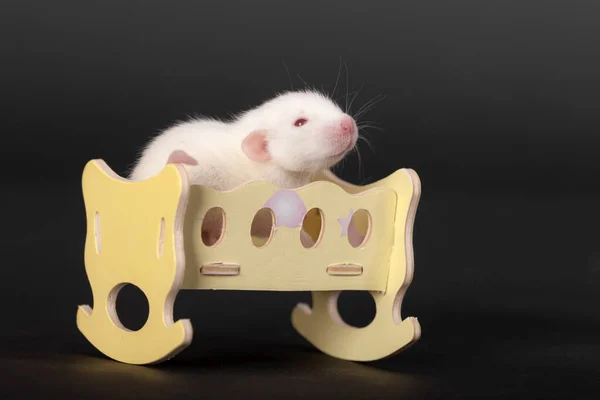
[345, 270]
[218, 269]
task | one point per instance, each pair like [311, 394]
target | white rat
[282, 141]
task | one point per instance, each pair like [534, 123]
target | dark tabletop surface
[505, 312]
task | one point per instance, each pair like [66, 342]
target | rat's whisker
[364, 110]
[323, 92]
[374, 100]
[288, 74]
[365, 181]
[306, 85]
[302, 178]
[363, 133]
[367, 109]
[369, 126]
[369, 105]
[337, 80]
[368, 142]
[359, 158]
[347, 86]
[365, 123]
[339, 164]
[354, 98]
[343, 95]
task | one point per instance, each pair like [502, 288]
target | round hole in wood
[359, 228]
[312, 228]
[128, 307]
[213, 226]
[357, 308]
[262, 227]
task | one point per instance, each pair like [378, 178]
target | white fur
[296, 152]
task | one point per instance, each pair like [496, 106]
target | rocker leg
[134, 235]
[158, 340]
[325, 329]
[387, 334]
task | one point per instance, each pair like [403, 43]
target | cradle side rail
[283, 263]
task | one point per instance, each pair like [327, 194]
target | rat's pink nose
[347, 125]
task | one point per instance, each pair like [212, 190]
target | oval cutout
[262, 228]
[312, 228]
[161, 238]
[213, 226]
[97, 237]
[359, 228]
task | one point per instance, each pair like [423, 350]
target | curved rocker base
[152, 344]
[147, 252]
[323, 327]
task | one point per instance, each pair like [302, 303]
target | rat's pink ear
[181, 157]
[255, 146]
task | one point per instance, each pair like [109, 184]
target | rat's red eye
[300, 122]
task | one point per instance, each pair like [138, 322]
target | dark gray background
[494, 103]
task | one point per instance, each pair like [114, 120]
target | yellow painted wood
[129, 231]
[149, 234]
[387, 334]
[283, 264]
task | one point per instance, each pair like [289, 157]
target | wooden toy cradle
[148, 234]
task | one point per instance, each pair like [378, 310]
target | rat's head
[300, 131]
